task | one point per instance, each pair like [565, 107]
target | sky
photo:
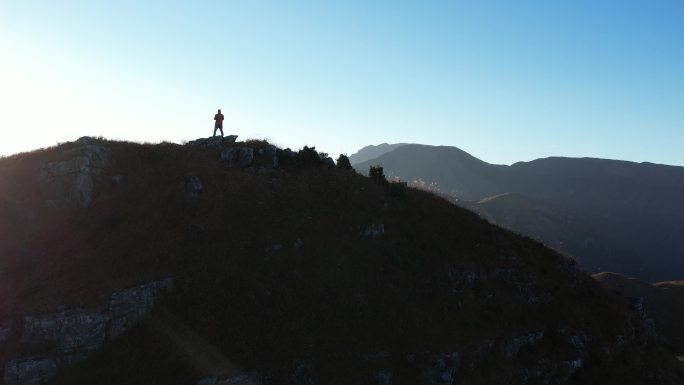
[505, 81]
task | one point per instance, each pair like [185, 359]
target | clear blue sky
[503, 80]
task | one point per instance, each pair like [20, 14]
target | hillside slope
[664, 302]
[614, 215]
[288, 271]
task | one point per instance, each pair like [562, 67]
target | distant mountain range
[610, 215]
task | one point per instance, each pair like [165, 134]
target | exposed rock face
[65, 332]
[63, 339]
[71, 181]
[30, 372]
[127, 307]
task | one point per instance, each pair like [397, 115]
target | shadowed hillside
[664, 302]
[285, 270]
[609, 215]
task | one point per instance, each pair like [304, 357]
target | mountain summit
[241, 263]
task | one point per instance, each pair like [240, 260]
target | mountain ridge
[634, 207]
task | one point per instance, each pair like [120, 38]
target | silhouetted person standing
[218, 125]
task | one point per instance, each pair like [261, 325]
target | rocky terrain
[227, 262]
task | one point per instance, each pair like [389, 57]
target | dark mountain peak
[456, 172]
[373, 151]
[285, 269]
[445, 153]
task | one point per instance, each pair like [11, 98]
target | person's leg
[221, 128]
[215, 128]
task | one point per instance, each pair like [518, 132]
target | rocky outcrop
[213, 141]
[30, 371]
[262, 159]
[249, 155]
[237, 157]
[68, 331]
[52, 341]
[127, 307]
[71, 182]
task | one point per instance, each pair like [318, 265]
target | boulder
[228, 156]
